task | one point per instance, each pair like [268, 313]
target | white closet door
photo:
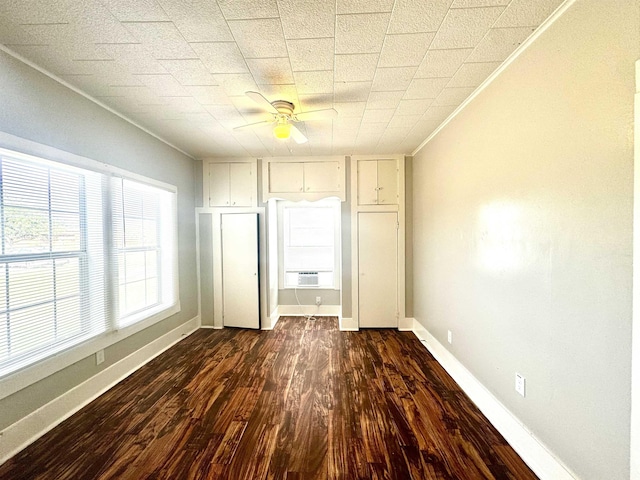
[378, 270]
[240, 284]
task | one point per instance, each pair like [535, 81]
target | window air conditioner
[307, 279]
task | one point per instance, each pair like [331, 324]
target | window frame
[162, 262]
[14, 381]
[335, 204]
[88, 329]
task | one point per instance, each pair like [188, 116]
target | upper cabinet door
[218, 184]
[322, 177]
[367, 182]
[241, 184]
[303, 178]
[286, 177]
[387, 182]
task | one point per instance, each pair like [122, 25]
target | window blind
[82, 252]
[144, 248]
[51, 259]
[309, 242]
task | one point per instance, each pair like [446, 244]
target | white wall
[523, 235]
[40, 109]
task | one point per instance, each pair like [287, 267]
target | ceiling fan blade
[297, 135]
[317, 114]
[261, 100]
[253, 125]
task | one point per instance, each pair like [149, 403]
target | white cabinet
[304, 179]
[231, 184]
[378, 245]
[242, 184]
[377, 182]
[321, 177]
[286, 177]
[294, 177]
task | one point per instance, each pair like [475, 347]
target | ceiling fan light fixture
[282, 130]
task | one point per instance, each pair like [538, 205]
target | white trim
[348, 325]
[28, 429]
[24, 60]
[634, 458]
[302, 310]
[534, 453]
[510, 59]
[406, 324]
[198, 281]
[210, 327]
[273, 319]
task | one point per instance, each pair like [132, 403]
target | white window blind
[52, 259]
[144, 242]
[311, 239]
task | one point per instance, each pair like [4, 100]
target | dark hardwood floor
[304, 401]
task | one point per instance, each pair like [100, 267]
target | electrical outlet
[318, 300]
[99, 357]
[449, 336]
[520, 384]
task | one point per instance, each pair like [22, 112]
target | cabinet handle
[301, 189]
[233, 203]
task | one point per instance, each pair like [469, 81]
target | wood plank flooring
[304, 401]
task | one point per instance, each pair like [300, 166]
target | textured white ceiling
[393, 69]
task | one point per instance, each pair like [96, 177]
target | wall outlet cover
[520, 384]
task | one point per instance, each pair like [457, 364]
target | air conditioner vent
[307, 278]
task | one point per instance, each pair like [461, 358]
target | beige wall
[523, 235]
[39, 109]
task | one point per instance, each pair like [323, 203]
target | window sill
[311, 287]
[46, 367]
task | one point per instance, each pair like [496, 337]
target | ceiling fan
[284, 117]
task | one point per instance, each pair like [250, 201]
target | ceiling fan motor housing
[283, 107]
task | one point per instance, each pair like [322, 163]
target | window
[51, 267]
[311, 244]
[144, 239]
[56, 251]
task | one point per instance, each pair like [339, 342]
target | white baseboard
[271, 320]
[534, 453]
[211, 327]
[297, 310]
[28, 429]
[406, 324]
[348, 325]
